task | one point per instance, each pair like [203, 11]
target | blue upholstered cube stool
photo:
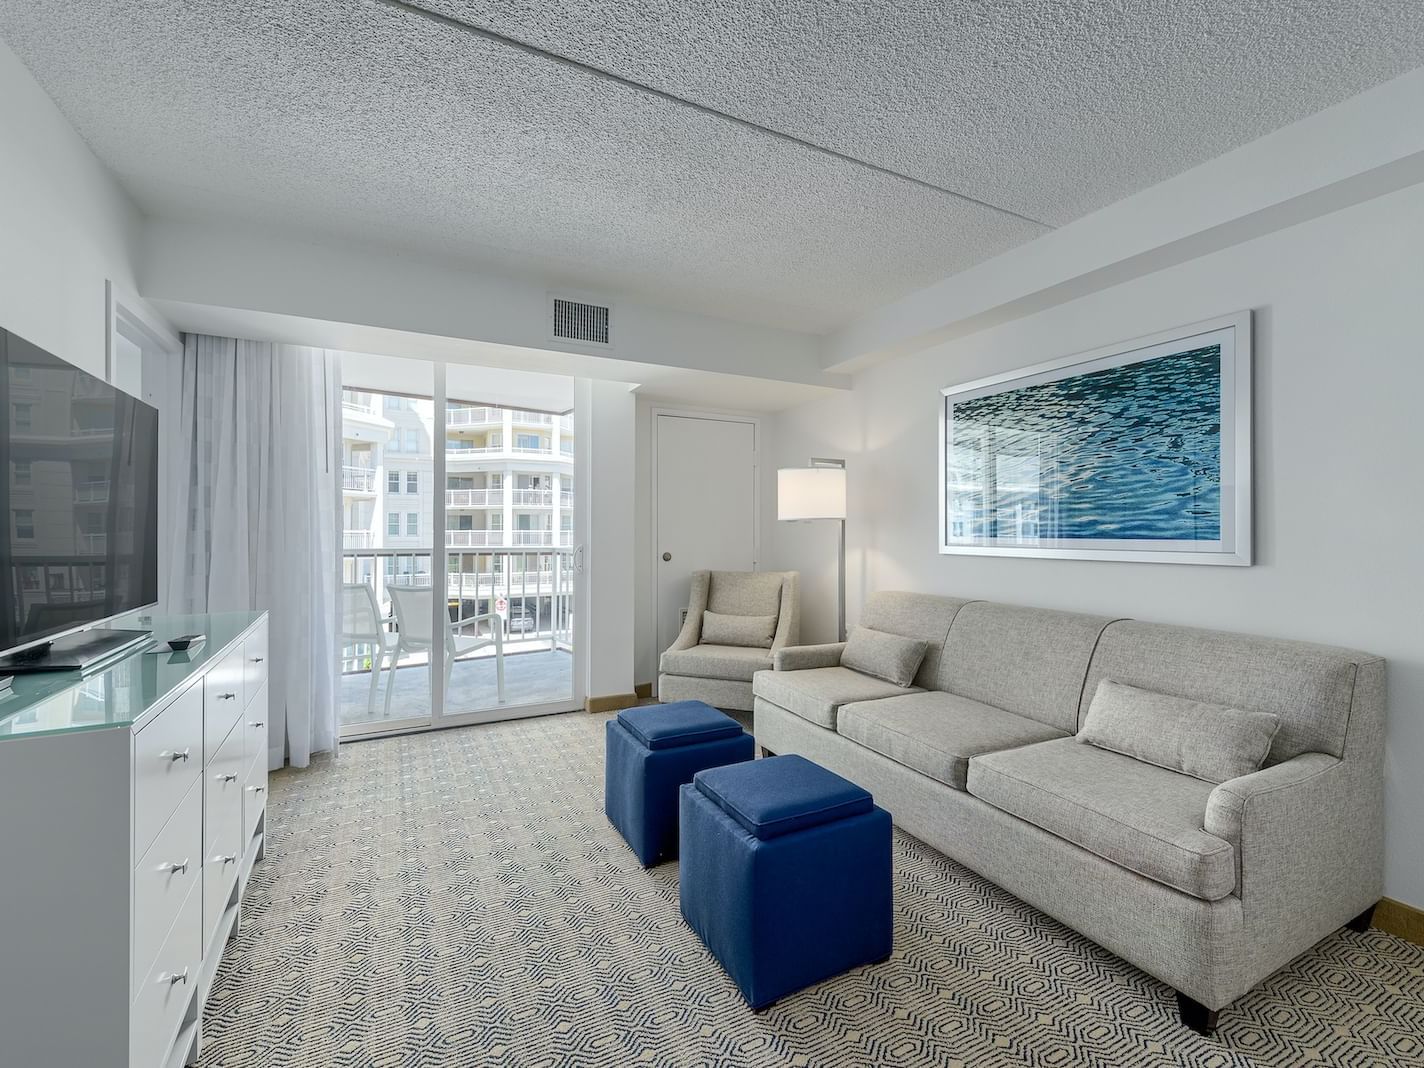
[650, 752]
[785, 874]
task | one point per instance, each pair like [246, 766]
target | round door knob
[667, 557]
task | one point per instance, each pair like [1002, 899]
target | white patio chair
[361, 625]
[413, 622]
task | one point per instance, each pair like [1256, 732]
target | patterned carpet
[458, 899]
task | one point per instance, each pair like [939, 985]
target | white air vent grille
[576, 321]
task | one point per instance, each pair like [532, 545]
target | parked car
[520, 621]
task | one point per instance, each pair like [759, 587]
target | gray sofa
[696, 668]
[1209, 887]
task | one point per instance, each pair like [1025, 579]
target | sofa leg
[1195, 1015]
[1361, 923]
[765, 751]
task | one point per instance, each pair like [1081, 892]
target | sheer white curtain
[252, 445]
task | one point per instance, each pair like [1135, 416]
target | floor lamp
[817, 491]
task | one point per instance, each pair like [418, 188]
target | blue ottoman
[785, 874]
[650, 752]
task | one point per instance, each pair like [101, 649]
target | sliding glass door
[480, 494]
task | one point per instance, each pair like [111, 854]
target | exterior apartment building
[508, 501]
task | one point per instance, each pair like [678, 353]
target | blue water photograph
[1127, 454]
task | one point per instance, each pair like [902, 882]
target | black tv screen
[79, 497]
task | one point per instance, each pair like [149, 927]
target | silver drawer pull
[177, 755]
[173, 978]
[257, 724]
[257, 659]
[258, 789]
[227, 778]
[227, 696]
[178, 869]
[220, 858]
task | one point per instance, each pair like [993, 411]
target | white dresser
[132, 808]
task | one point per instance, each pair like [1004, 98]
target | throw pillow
[753, 632]
[885, 656]
[1197, 738]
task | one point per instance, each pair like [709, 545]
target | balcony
[473, 539]
[474, 416]
[355, 539]
[359, 401]
[535, 497]
[532, 537]
[527, 418]
[358, 479]
[474, 498]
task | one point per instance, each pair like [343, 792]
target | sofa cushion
[1030, 661]
[817, 693]
[1310, 687]
[936, 733]
[753, 632]
[886, 656]
[733, 662]
[781, 794]
[1137, 815]
[914, 615]
[745, 593]
[1198, 738]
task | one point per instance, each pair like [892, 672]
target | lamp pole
[826, 461]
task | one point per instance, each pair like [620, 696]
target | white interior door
[705, 483]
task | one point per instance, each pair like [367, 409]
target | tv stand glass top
[123, 690]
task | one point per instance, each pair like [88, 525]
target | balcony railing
[533, 537]
[92, 493]
[527, 418]
[474, 498]
[357, 479]
[357, 401]
[533, 496]
[355, 539]
[473, 539]
[540, 581]
[473, 416]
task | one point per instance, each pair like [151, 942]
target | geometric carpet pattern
[458, 899]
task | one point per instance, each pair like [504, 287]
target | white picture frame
[1138, 472]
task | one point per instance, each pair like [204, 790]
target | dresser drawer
[254, 798]
[254, 662]
[223, 842]
[163, 879]
[163, 996]
[168, 758]
[254, 727]
[222, 699]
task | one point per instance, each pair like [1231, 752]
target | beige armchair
[736, 622]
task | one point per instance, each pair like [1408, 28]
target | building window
[24, 523]
[22, 416]
[412, 523]
[527, 441]
[496, 521]
[23, 473]
[412, 440]
[392, 481]
[30, 580]
[393, 524]
[392, 403]
[412, 481]
[393, 445]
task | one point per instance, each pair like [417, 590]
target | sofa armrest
[1308, 840]
[802, 657]
[691, 632]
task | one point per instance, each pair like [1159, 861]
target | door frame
[713, 415]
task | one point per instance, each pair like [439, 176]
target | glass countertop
[119, 693]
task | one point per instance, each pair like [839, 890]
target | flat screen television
[79, 501]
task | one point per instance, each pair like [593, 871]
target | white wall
[65, 226]
[1339, 466]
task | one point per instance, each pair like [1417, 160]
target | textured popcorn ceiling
[365, 119]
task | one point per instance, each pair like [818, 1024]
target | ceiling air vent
[577, 321]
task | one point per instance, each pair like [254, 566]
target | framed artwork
[1137, 451]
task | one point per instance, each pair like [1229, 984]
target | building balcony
[532, 537]
[535, 497]
[484, 453]
[521, 417]
[356, 539]
[473, 416]
[474, 498]
[473, 539]
[358, 479]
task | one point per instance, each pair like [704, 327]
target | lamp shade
[811, 493]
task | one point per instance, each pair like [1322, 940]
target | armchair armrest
[802, 657]
[1308, 838]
